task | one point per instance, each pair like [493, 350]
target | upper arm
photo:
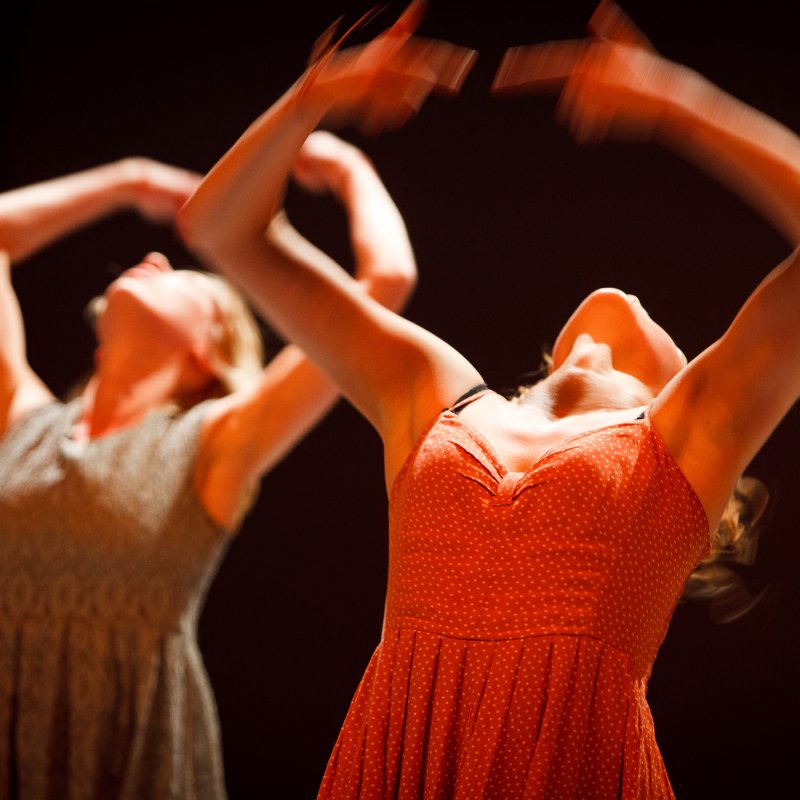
[20, 388]
[245, 434]
[717, 413]
[396, 373]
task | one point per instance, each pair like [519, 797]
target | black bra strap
[473, 394]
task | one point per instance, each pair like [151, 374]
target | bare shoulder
[21, 389]
[24, 400]
[217, 415]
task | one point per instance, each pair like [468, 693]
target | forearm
[34, 216]
[748, 151]
[20, 388]
[384, 257]
[234, 222]
[238, 198]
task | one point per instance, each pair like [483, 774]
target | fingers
[324, 42]
[422, 67]
[394, 89]
[408, 22]
[449, 65]
[441, 65]
[387, 46]
[325, 47]
[543, 67]
[610, 22]
[546, 67]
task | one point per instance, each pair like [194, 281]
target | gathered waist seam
[426, 626]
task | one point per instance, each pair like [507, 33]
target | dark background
[512, 225]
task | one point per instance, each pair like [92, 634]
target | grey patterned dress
[105, 557]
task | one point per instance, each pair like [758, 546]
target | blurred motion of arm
[749, 151]
[234, 224]
[615, 85]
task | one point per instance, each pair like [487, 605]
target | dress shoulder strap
[468, 397]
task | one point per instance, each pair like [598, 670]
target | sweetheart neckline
[482, 441]
[486, 445]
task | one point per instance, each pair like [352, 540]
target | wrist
[128, 181]
[310, 100]
[356, 170]
[687, 103]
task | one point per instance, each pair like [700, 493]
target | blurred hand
[384, 83]
[613, 84]
[621, 91]
[159, 190]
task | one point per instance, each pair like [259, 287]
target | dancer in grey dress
[105, 556]
[116, 507]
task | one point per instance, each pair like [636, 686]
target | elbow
[220, 238]
[204, 235]
[190, 228]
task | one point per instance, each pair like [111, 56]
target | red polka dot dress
[523, 614]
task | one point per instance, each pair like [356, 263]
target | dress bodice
[105, 557]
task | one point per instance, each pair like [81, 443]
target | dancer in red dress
[537, 545]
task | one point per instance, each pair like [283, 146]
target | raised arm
[246, 434]
[616, 85]
[721, 409]
[718, 411]
[398, 375]
[384, 259]
[34, 216]
[21, 390]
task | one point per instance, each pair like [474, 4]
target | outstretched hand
[612, 84]
[619, 90]
[384, 83]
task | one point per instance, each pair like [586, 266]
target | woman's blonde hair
[238, 349]
[719, 579]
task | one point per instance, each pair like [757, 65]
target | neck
[566, 393]
[117, 397]
[553, 397]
